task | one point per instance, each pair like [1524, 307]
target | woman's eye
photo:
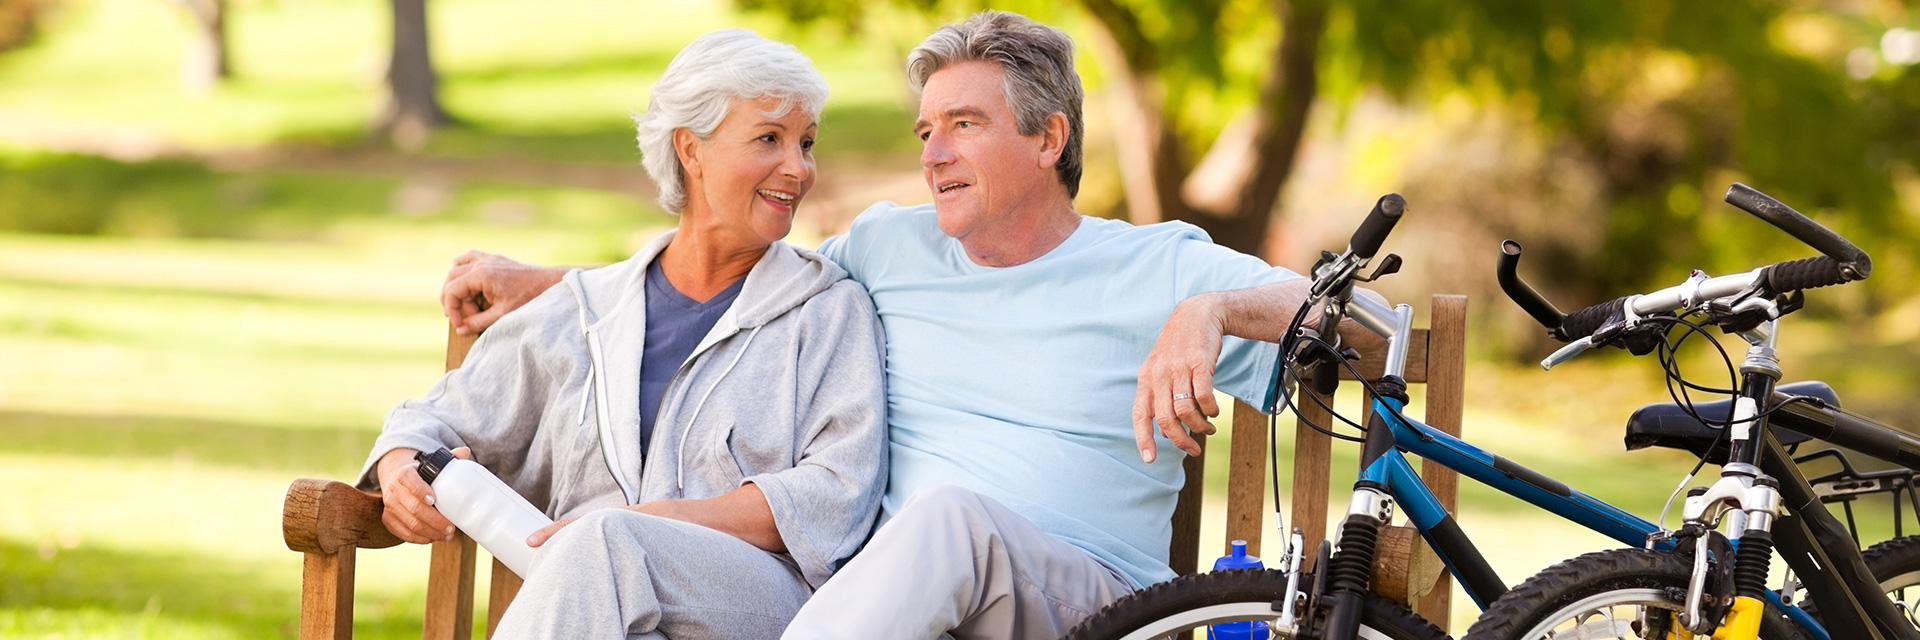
[768, 137]
[806, 145]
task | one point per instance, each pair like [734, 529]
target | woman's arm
[742, 513]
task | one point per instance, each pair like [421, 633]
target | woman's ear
[1053, 139]
[687, 147]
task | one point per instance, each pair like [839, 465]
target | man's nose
[934, 151]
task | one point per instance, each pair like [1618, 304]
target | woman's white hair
[699, 88]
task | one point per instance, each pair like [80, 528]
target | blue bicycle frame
[1387, 469]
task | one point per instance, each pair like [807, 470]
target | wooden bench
[329, 521]
[1406, 571]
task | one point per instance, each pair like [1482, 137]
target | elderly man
[1019, 333]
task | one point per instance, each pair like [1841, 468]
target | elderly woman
[706, 418]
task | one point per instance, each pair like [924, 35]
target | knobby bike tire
[1599, 593]
[1896, 565]
[1194, 601]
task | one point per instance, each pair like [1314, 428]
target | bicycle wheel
[1600, 595]
[1896, 564]
[1197, 600]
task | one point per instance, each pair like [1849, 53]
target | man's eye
[964, 124]
[924, 135]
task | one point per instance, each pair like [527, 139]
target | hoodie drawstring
[679, 458]
[596, 392]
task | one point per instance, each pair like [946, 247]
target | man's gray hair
[1037, 63]
[699, 88]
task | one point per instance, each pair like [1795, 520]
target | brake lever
[1388, 266]
[1569, 352]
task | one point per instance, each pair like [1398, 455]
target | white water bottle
[484, 507]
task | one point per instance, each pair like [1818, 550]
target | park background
[221, 236]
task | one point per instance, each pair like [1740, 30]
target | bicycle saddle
[1668, 425]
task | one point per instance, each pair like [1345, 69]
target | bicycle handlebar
[1853, 263]
[1386, 212]
[1844, 262]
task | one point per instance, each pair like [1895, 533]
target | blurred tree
[1659, 97]
[17, 20]
[206, 64]
[412, 106]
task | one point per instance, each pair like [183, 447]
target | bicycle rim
[1610, 615]
[1231, 612]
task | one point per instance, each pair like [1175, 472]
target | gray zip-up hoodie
[786, 391]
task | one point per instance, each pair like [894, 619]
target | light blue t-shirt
[1018, 382]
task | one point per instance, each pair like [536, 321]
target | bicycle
[1696, 579]
[1333, 601]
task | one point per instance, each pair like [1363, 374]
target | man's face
[980, 169]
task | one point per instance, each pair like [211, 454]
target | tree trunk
[1233, 192]
[1151, 166]
[206, 64]
[413, 102]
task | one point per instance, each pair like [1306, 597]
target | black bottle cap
[432, 463]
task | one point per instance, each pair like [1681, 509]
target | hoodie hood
[612, 302]
[784, 278]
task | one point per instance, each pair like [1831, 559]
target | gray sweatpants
[619, 574]
[953, 561]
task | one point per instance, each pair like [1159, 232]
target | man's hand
[483, 286]
[1175, 394]
[410, 513]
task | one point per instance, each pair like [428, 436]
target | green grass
[553, 80]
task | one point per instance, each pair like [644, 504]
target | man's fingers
[1143, 426]
[477, 322]
[1203, 393]
[458, 292]
[470, 257]
[1170, 425]
[1187, 410]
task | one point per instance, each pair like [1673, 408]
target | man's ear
[687, 147]
[1053, 139]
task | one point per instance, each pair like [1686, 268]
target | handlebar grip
[1805, 273]
[1523, 294]
[1367, 239]
[1584, 322]
[1850, 260]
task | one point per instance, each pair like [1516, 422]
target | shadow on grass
[334, 453]
[81, 194]
[846, 130]
[113, 593]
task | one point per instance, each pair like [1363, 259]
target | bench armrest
[325, 516]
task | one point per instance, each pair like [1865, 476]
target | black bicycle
[1698, 581]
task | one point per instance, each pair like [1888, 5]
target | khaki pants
[957, 563]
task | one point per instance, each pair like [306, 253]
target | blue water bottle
[1251, 629]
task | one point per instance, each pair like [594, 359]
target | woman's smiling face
[748, 178]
